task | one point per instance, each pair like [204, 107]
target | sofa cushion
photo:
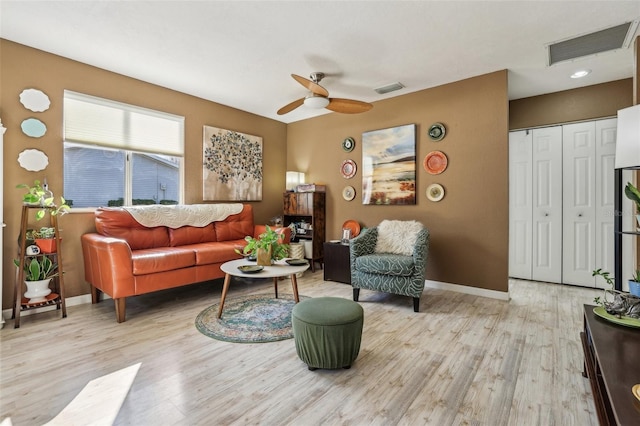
[192, 235]
[118, 223]
[397, 236]
[236, 226]
[219, 252]
[387, 264]
[154, 260]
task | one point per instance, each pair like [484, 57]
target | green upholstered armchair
[390, 258]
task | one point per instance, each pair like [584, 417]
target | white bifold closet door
[561, 204]
[535, 197]
[588, 181]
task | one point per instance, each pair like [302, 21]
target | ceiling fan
[319, 98]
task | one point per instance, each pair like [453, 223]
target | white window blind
[92, 120]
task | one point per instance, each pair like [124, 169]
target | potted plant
[267, 247]
[39, 195]
[38, 272]
[634, 283]
[633, 194]
[44, 238]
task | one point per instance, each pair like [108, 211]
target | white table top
[278, 269]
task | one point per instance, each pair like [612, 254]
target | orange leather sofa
[124, 258]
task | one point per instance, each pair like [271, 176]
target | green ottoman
[327, 331]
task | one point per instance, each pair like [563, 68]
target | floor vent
[590, 44]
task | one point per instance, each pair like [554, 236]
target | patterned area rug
[249, 319]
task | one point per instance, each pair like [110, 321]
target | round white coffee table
[275, 271]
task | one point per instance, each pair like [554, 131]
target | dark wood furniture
[336, 263]
[307, 208]
[56, 297]
[611, 363]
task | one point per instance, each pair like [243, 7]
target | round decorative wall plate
[34, 100]
[33, 127]
[435, 162]
[348, 169]
[353, 226]
[348, 144]
[348, 193]
[435, 192]
[33, 160]
[437, 131]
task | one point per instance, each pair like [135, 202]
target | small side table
[336, 263]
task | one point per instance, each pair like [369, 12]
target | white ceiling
[241, 53]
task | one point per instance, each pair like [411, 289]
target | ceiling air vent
[389, 88]
[590, 44]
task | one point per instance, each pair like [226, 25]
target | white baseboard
[86, 298]
[70, 301]
[483, 292]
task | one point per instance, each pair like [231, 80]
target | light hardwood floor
[463, 360]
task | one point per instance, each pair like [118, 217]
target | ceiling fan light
[316, 102]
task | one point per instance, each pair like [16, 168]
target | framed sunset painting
[389, 166]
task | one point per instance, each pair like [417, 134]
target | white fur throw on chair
[397, 236]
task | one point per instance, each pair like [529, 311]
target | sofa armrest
[420, 252]
[108, 265]
[363, 244]
[261, 229]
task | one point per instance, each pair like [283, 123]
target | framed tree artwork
[232, 166]
[389, 166]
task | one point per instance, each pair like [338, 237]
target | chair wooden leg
[120, 308]
[356, 294]
[416, 304]
[95, 295]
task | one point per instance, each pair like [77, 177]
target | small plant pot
[634, 288]
[37, 291]
[264, 257]
[47, 245]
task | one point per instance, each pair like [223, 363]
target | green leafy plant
[38, 194]
[636, 276]
[633, 194]
[608, 278]
[269, 238]
[38, 268]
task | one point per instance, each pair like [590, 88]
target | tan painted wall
[586, 103]
[22, 67]
[469, 227]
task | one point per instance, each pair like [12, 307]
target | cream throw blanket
[175, 216]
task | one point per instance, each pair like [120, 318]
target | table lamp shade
[628, 138]
[294, 179]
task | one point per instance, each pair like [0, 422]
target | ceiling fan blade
[348, 106]
[310, 85]
[290, 107]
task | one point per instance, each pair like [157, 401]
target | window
[118, 154]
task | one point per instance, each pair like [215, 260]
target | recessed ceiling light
[580, 73]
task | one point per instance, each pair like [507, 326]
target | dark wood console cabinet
[611, 364]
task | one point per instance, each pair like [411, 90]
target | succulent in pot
[44, 238]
